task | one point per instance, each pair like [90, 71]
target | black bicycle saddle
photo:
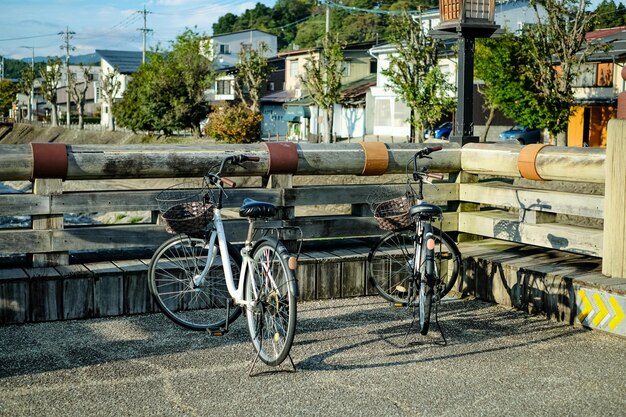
[256, 209]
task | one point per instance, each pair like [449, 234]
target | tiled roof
[126, 62]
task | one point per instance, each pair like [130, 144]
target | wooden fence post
[49, 222]
[614, 240]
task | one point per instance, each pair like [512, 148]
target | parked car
[443, 131]
[522, 134]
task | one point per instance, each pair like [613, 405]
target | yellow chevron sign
[602, 310]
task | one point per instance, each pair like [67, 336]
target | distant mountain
[78, 59]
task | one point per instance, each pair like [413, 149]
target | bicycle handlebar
[427, 151]
[233, 160]
[424, 154]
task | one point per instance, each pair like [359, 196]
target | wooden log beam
[168, 161]
[552, 162]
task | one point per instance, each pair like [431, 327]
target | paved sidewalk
[352, 358]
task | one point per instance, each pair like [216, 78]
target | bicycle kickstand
[293, 366]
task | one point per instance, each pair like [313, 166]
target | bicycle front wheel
[272, 289]
[183, 294]
[391, 264]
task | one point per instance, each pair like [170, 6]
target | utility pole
[32, 104]
[2, 69]
[67, 36]
[327, 16]
[145, 31]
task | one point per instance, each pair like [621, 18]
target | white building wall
[106, 68]
[226, 47]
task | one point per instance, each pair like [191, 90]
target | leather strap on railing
[527, 161]
[283, 157]
[49, 160]
[376, 158]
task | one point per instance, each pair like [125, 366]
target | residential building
[597, 88]
[224, 49]
[125, 63]
[350, 116]
[91, 101]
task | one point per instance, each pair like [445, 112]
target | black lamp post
[468, 19]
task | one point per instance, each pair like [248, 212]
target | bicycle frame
[236, 292]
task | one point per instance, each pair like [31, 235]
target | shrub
[235, 124]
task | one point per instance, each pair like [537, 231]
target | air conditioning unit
[298, 93]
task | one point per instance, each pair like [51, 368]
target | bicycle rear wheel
[272, 319]
[175, 284]
[391, 263]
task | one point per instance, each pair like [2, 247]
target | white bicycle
[201, 282]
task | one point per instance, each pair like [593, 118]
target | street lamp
[31, 100]
[468, 20]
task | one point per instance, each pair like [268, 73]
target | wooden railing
[485, 194]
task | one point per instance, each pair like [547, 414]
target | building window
[345, 68]
[604, 74]
[224, 49]
[293, 68]
[224, 87]
[373, 66]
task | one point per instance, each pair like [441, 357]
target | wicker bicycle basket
[391, 207]
[185, 208]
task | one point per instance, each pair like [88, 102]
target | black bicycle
[415, 264]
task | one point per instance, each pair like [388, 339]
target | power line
[28, 37]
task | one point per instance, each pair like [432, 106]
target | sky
[104, 24]
[107, 24]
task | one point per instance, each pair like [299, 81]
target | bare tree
[51, 75]
[78, 92]
[253, 70]
[323, 79]
[110, 85]
[26, 84]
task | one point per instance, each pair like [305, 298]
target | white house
[125, 63]
[224, 51]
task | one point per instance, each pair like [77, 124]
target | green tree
[414, 74]
[167, 93]
[609, 15]
[253, 70]
[51, 75]
[557, 37]
[323, 78]
[498, 63]
[8, 90]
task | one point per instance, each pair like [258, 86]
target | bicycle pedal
[399, 304]
[217, 332]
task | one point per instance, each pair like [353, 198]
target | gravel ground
[354, 358]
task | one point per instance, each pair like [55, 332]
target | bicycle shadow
[477, 326]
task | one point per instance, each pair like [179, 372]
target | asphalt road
[353, 359]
